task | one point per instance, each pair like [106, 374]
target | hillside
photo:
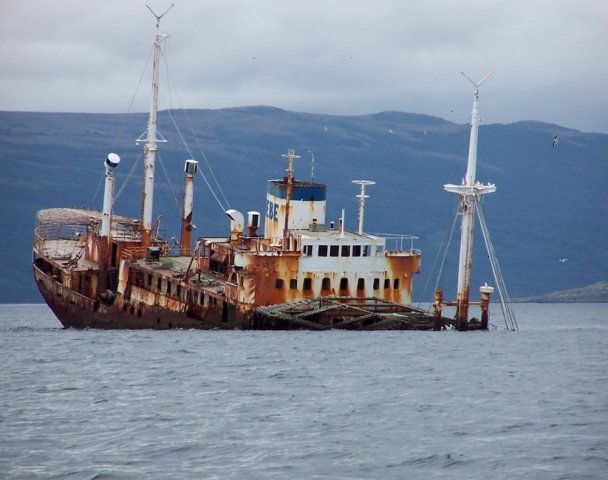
[550, 203]
[596, 293]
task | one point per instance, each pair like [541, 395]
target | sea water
[91, 404]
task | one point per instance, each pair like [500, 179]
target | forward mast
[151, 147]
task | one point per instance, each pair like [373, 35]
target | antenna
[290, 156]
[312, 165]
[476, 84]
[158, 17]
[362, 198]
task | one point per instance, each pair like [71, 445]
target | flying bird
[563, 260]
[555, 140]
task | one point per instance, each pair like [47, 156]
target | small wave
[444, 460]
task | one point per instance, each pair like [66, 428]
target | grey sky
[320, 56]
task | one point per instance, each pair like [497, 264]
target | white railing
[398, 243]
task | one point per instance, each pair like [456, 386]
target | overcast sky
[549, 58]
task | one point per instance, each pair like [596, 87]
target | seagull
[555, 140]
[390, 131]
[563, 260]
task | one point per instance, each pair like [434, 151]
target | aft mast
[470, 192]
[151, 148]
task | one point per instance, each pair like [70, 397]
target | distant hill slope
[551, 202]
[596, 293]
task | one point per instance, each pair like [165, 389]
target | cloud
[339, 57]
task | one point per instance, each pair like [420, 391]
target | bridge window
[345, 251]
[366, 250]
[356, 250]
[322, 250]
[334, 250]
[307, 250]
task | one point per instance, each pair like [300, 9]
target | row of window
[339, 250]
[326, 284]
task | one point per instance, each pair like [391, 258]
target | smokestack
[190, 167]
[111, 163]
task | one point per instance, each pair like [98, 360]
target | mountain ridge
[550, 203]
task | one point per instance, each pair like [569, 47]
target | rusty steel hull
[74, 310]
[78, 311]
[227, 283]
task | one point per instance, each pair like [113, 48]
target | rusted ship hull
[75, 310]
[96, 269]
[326, 313]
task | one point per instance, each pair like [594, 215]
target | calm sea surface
[93, 404]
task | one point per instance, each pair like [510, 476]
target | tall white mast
[151, 148]
[469, 192]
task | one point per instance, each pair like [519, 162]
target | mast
[362, 198]
[469, 191]
[151, 147]
[291, 156]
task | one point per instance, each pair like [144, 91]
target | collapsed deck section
[339, 313]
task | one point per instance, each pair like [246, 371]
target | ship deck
[178, 267]
[67, 253]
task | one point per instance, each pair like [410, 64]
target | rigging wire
[171, 185]
[447, 245]
[217, 184]
[505, 305]
[179, 132]
[128, 177]
[444, 247]
[118, 139]
[101, 180]
[133, 97]
[226, 205]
